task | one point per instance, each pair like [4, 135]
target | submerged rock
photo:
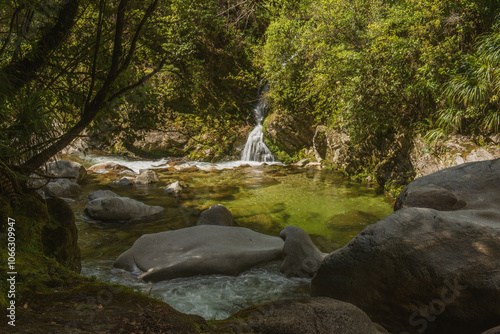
[123, 182]
[118, 209]
[217, 214]
[199, 250]
[427, 269]
[101, 194]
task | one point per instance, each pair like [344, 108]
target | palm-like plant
[473, 95]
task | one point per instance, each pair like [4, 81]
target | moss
[60, 235]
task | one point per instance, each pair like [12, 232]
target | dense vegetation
[377, 68]
[374, 69]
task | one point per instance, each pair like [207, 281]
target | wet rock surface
[433, 264]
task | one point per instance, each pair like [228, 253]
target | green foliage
[473, 105]
[374, 68]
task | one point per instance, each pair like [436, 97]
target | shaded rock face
[305, 316]
[60, 235]
[291, 132]
[199, 250]
[495, 330]
[475, 185]
[118, 209]
[66, 169]
[62, 188]
[432, 270]
[159, 144]
[301, 258]
[217, 214]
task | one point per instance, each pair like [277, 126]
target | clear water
[265, 198]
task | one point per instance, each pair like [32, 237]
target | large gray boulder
[427, 269]
[119, 209]
[199, 250]
[71, 170]
[62, 188]
[301, 258]
[217, 214]
[318, 315]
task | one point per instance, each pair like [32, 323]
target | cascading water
[255, 148]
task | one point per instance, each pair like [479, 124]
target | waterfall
[255, 148]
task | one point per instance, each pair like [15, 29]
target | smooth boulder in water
[199, 250]
[105, 205]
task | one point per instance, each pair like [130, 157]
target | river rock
[318, 315]
[123, 182]
[62, 188]
[217, 214]
[110, 167]
[66, 169]
[199, 250]
[101, 194]
[118, 209]
[495, 330]
[422, 269]
[301, 258]
[147, 176]
[176, 188]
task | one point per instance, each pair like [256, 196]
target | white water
[255, 148]
[210, 296]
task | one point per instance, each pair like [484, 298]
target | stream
[263, 197]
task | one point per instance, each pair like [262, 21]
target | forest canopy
[371, 68]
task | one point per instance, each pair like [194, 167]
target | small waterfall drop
[255, 148]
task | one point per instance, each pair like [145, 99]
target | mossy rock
[97, 307]
[60, 235]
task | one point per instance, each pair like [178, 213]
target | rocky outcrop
[199, 250]
[290, 132]
[433, 267]
[305, 316]
[301, 258]
[66, 169]
[217, 214]
[109, 208]
[160, 143]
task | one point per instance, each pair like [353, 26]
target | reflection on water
[265, 198]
